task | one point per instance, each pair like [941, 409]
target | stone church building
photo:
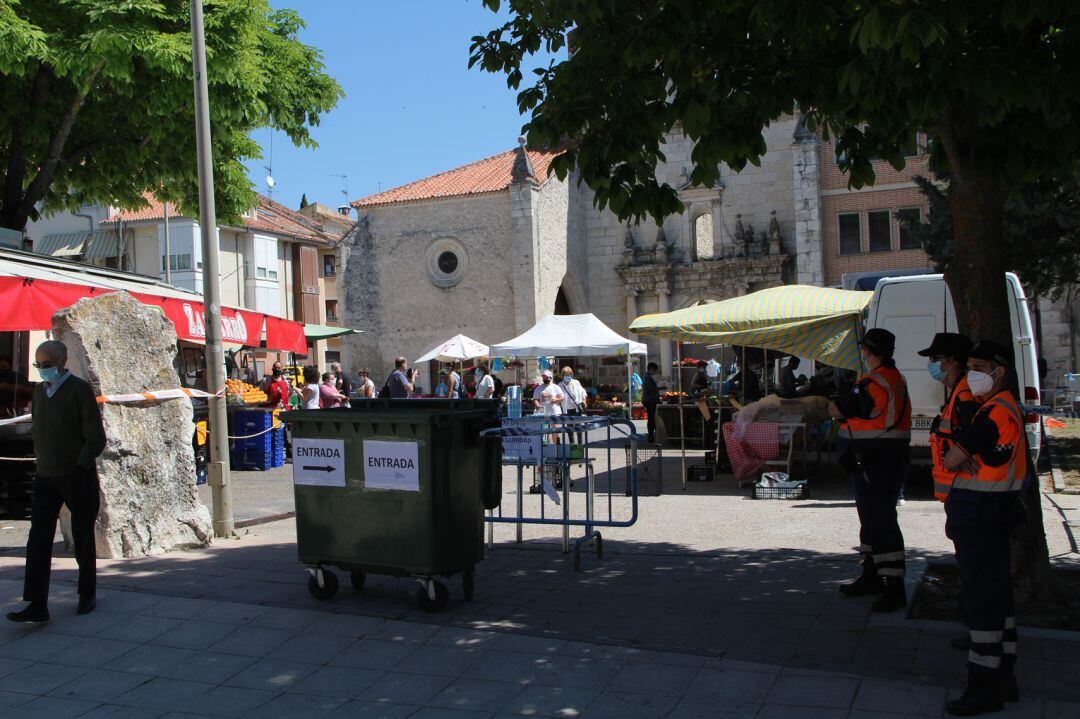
[489, 248]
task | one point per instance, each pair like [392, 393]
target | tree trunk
[976, 280]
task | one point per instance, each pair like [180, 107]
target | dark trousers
[876, 485]
[650, 422]
[979, 528]
[575, 437]
[79, 491]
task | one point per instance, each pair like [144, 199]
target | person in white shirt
[485, 383]
[548, 396]
[576, 399]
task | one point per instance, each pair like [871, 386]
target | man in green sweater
[68, 437]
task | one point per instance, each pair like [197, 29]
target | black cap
[947, 344]
[993, 351]
[879, 341]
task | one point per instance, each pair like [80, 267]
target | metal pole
[679, 404]
[168, 255]
[215, 351]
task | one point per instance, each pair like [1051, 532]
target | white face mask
[981, 383]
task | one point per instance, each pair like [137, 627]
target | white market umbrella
[456, 349]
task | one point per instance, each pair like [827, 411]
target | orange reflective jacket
[941, 440]
[1004, 412]
[891, 416]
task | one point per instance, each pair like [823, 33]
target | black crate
[800, 492]
[700, 473]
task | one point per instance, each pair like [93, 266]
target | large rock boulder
[149, 501]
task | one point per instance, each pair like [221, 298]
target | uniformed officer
[874, 444]
[991, 457]
[948, 355]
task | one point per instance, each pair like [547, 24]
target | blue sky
[411, 107]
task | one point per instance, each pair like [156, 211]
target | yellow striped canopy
[816, 322]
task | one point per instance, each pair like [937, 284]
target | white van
[916, 307]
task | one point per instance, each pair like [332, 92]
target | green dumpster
[394, 487]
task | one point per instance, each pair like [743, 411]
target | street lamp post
[218, 471]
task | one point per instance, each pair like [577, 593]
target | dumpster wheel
[468, 584]
[329, 584]
[432, 596]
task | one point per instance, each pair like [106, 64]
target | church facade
[489, 248]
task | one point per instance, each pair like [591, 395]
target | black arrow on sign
[327, 468]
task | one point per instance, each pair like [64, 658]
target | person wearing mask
[329, 397]
[278, 390]
[576, 399]
[948, 355]
[367, 387]
[485, 383]
[548, 396]
[874, 448]
[990, 460]
[650, 398]
[441, 390]
[309, 394]
[68, 438]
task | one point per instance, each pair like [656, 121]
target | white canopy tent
[572, 336]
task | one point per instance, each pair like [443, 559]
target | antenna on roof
[270, 181]
[344, 192]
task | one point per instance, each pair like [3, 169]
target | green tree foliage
[1042, 232]
[97, 100]
[993, 84]
[303, 201]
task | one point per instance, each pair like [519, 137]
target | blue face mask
[935, 370]
[49, 374]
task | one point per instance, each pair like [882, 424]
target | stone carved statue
[740, 236]
[774, 235]
[630, 250]
[661, 248]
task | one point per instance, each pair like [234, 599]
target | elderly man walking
[68, 437]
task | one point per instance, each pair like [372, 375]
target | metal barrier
[555, 461]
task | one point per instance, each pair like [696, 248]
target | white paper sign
[523, 446]
[391, 465]
[320, 462]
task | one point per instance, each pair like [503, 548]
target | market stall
[819, 323]
[456, 350]
[572, 336]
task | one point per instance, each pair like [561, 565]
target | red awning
[29, 304]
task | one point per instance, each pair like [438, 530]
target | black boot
[1010, 692]
[867, 583]
[33, 613]
[892, 597]
[982, 696]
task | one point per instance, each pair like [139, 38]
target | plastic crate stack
[261, 452]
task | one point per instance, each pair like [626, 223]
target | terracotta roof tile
[270, 216]
[491, 174]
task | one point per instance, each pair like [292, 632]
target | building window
[332, 356]
[447, 262]
[703, 237]
[329, 265]
[879, 227]
[266, 258]
[331, 311]
[850, 234]
[178, 263]
[908, 216]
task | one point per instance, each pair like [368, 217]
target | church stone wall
[552, 213]
[392, 293]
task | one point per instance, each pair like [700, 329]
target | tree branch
[43, 179]
[16, 164]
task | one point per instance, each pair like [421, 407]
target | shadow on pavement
[776, 606]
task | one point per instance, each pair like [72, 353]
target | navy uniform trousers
[876, 484]
[979, 525]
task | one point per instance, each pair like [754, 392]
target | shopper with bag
[576, 399]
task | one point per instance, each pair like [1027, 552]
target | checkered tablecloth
[749, 446]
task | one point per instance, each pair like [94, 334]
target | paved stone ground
[711, 605]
